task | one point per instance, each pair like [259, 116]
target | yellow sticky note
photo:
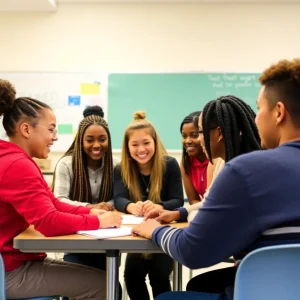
[89, 88]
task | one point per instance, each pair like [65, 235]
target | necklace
[147, 186]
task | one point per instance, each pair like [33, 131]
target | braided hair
[191, 118]
[236, 121]
[81, 189]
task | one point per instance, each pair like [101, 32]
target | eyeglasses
[53, 131]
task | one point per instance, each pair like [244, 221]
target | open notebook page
[131, 220]
[107, 233]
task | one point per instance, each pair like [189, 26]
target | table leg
[112, 274]
[177, 276]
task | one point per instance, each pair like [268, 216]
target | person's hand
[109, 220]
[97, 212]
[149, 205]
[101, 205]
[135, 208]
[145, 229]
[167, 216]
[153, 213]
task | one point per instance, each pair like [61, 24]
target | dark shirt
[171, 195]
[253, 202]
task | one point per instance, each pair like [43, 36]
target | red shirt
[25, 199]
[198, 174]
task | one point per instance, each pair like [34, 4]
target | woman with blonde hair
[145, 179]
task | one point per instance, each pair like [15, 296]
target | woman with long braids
[84, 175]
[226, 129]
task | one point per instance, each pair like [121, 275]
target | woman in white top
[84, 175]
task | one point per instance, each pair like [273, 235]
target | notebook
[131, 220]
[106, 233]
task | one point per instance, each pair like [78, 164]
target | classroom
[165, 57]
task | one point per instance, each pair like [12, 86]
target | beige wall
[149, 38]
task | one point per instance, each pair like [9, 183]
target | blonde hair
[129, 167]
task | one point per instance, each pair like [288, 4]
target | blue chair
[269, 273]
[188, 296]
[2, 285]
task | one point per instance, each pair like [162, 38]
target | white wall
[150, 37]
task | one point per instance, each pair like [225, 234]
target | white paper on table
[131, 220]
[107, 233]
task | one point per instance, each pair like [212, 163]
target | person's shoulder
[22, 164]
[65, 162]
[254, 160]
[117, 168]
[116, 161]
[171, 162]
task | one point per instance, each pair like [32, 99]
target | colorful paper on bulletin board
[89, 88]
[74, 100]
[65, 129]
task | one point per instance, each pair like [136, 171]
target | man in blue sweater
[254, 201]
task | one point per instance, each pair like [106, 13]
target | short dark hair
[282, 84]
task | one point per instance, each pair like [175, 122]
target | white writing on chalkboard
[230, 83]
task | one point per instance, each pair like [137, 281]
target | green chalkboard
[168, 98]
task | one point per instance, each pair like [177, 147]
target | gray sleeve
[62, 184]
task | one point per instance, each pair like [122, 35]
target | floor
[186, 273]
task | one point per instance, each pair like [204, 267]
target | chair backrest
[269, 273]
[2, 279]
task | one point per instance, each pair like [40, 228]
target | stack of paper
[131, 220]
[107, 233]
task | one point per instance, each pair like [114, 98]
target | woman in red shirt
[194, 162]
[25, 199]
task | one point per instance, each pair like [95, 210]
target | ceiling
[53, 5]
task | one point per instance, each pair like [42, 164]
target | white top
[193, 209]
[64, 177]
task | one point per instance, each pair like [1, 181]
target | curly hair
[282, 84]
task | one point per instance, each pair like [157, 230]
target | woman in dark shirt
[145, 179]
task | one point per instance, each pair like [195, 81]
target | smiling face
[42, 136]
[141, 146]
[95, 142]
[190, 139]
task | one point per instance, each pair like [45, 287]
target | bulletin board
[67, 93]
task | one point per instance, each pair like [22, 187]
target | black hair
[14, 109]
[93, 110]
[236, 120]
[191, 118]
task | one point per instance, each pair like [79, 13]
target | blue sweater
[254, 193]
